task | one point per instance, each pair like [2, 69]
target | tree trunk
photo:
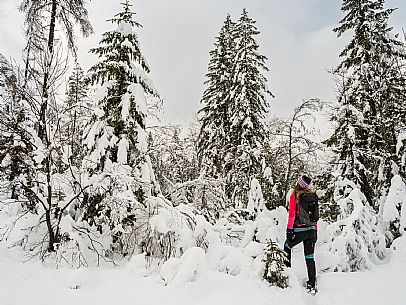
[289, 168]
[51, 239]
[42, 131]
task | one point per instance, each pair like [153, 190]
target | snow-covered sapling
[275, 266]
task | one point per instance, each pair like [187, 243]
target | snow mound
[269, 225]
[232, 263]
[189, 268]
[327, 261]
[169, 269]
[395, 200]
[399, 248]
[138, 265]
[235, 261]
[254, 249]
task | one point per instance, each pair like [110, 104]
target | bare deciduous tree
[290, 148]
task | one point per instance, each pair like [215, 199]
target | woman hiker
[302, 227]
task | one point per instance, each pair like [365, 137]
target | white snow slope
[32, 283]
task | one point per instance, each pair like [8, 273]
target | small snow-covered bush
[239, 216]
[399, 248]
[234, 261]
[275, 265]
[356, 239]
[269, 225]
[160, 231]
[394, 208]
[256, 202]
[205, 233]
[351, 250]
[205, 195]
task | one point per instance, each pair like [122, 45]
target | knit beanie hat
[304, 181]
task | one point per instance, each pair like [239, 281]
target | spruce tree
[370, 99]
[249, 95]
[357, 237]
[401, 132]
[116, 161]
[345, 143]
[215, 116]
[124, 85]
[235, 104]
[274, 260]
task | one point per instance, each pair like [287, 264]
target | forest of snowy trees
[86, 180]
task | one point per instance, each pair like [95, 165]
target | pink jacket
[292, 211]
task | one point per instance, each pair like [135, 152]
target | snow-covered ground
[32, 283]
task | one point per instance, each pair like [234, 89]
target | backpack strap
[297, 212]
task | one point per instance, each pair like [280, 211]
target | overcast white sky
[177, 35]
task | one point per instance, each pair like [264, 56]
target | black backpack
[307, 209]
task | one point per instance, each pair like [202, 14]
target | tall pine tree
[249, 94]
[215, 119]
[235, 104]
[116, 140]
[122, 76]
[371, 99]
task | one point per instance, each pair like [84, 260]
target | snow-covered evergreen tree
[370, 99]
[345, 143]
[235, 104]
[249, 94]
[274, 260]
[117, 133]
[215, 114]
[357, 238]
[119, 170]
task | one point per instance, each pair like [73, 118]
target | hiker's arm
[292, 211]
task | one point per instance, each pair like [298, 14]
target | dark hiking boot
[311, 289]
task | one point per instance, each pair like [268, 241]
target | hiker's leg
[309, 244]
[299, 237]
[288, 250]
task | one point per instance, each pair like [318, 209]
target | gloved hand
[290, 235]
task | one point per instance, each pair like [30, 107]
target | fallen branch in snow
[94, 246]
[7, 229]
